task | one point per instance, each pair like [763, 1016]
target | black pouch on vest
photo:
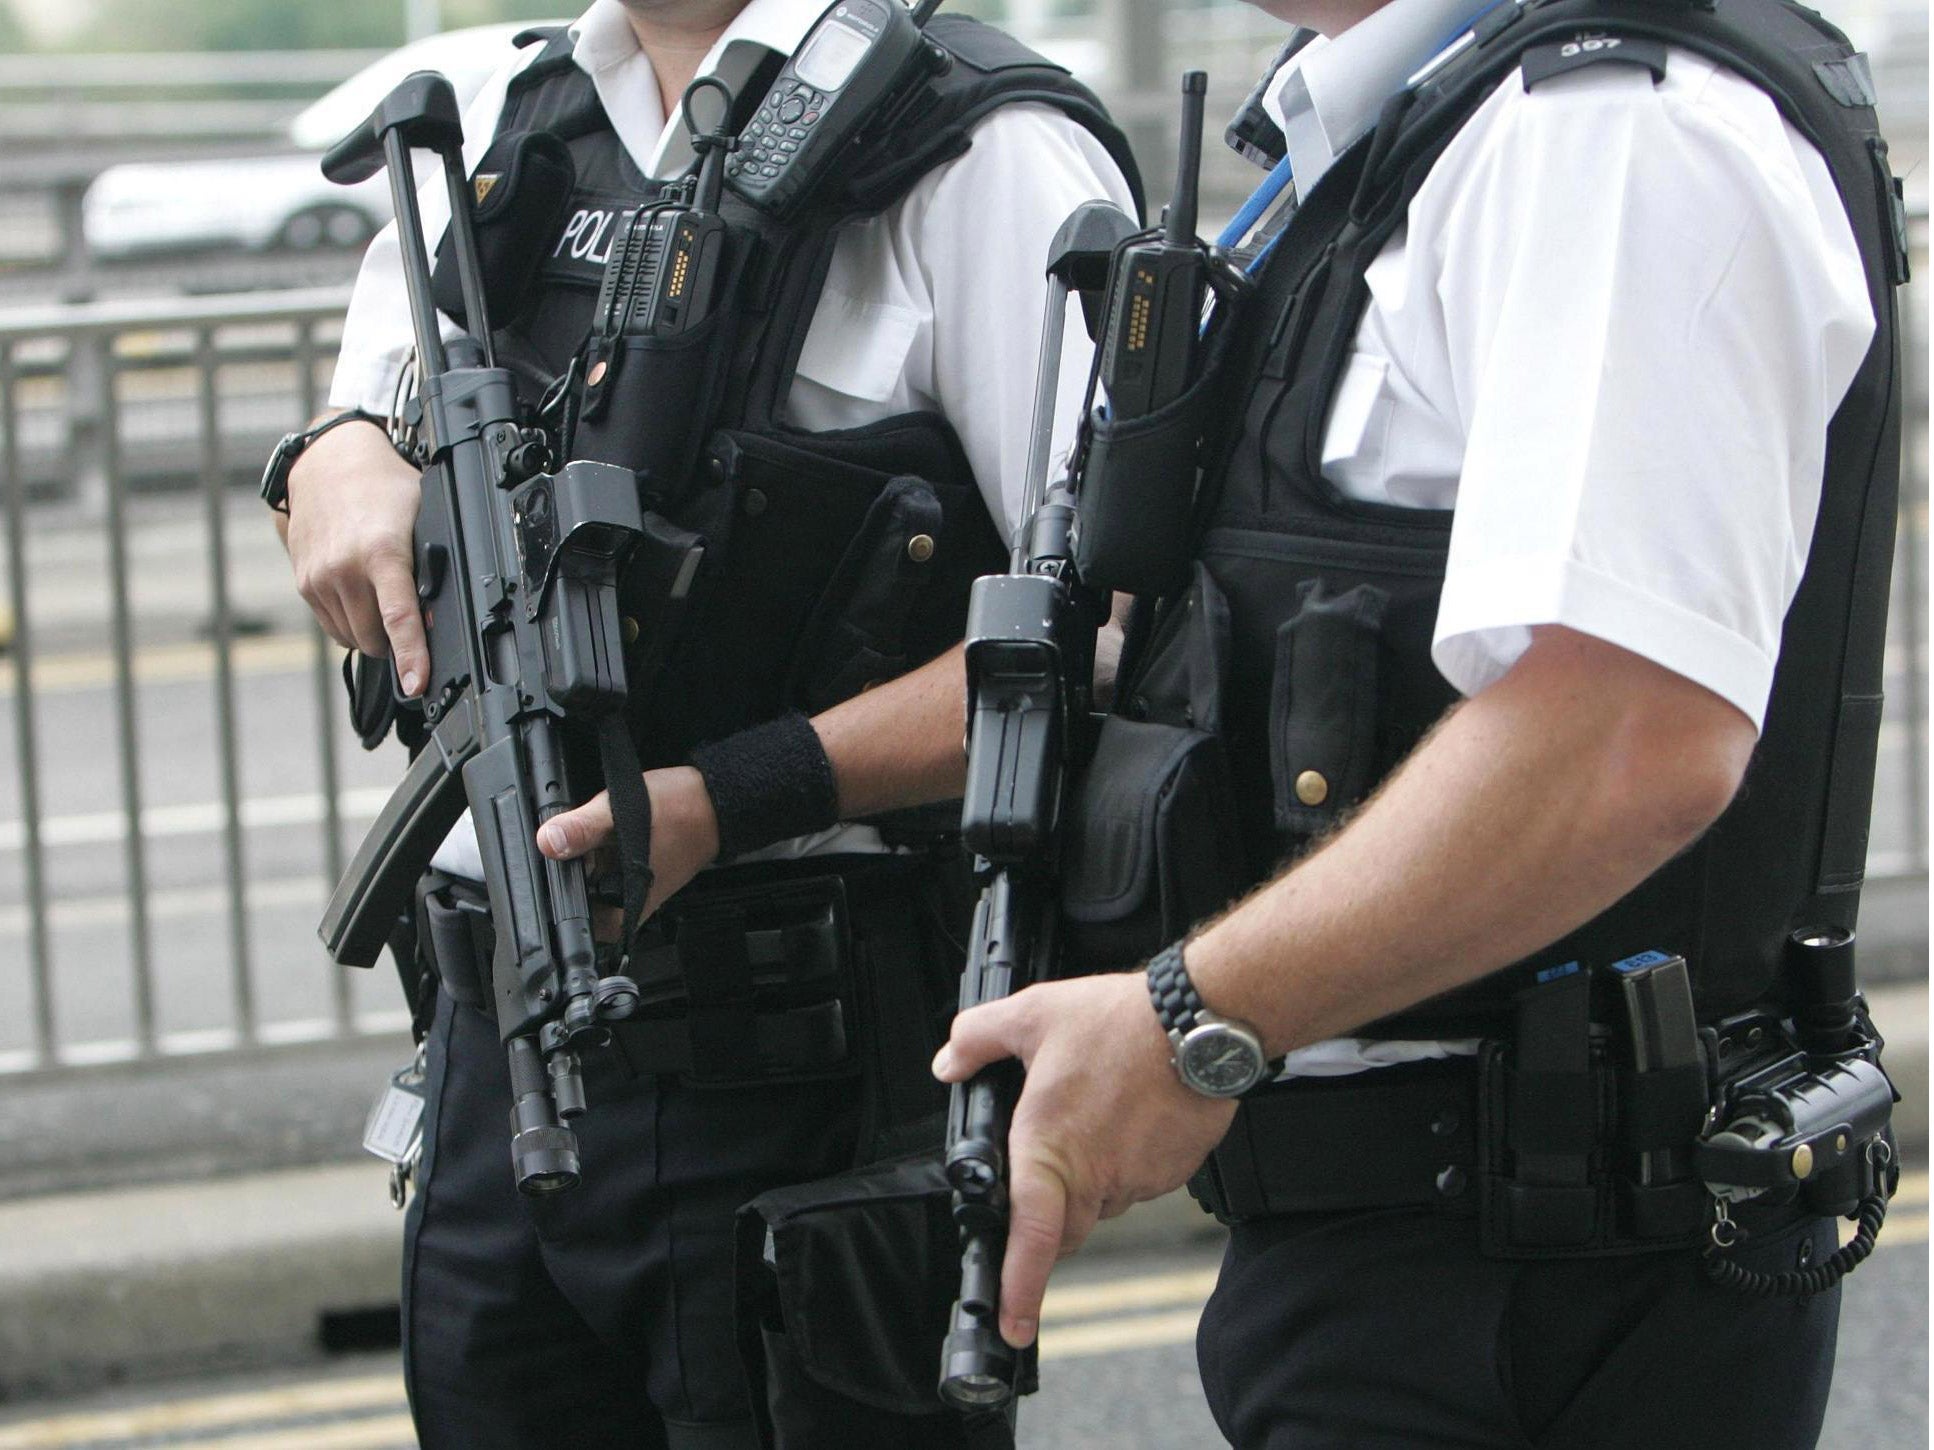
[1152, 844]
[1322, 707]
[1134, 532]
[524, 186]
[857, 634]
[1151, 847]
[844, 1288]
[653, 406]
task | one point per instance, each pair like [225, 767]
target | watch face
[1220, 1060]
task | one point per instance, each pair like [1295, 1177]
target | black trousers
[1387, 1331]
[603, 1317]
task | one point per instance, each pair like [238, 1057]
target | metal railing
[81, 365]
[206, 384]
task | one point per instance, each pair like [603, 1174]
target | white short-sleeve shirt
[1610, 335]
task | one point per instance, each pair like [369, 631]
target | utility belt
[1584, 1133]
[769, 972]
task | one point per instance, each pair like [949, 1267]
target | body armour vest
[1329, 604]
[834, 560]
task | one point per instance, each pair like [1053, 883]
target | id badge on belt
[394, 1131]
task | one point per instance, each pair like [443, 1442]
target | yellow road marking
[1115, 1296]
[1106, 1336]
[1117, 1299]
[164, 663]
[385, 1432]
[368, 1392]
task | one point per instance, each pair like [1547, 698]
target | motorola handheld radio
[1159, 286]
[662, 277]
[845, 76]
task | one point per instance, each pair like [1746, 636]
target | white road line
[199, 1041]
[196, 818]
[175, 904]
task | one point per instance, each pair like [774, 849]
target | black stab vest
[817, 581]
[1331, 602]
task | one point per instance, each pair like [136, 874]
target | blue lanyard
[1265, 196]
[1260, 200]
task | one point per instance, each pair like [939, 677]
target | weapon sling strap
[624, 779]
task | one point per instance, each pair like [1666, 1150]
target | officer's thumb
[980, 1035]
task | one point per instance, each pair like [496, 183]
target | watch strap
[1173, 994]
[275, 477]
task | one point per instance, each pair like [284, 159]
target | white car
[280, 201]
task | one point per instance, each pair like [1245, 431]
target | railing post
[141, 962]
[39, 947]
[328, 702]
[90, 399]
[227, 745]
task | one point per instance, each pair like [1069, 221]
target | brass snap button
[1311, 788]
[596, 375]
[920, 548]
[630, 630]
[755, 502]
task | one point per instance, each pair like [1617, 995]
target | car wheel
[325, 226]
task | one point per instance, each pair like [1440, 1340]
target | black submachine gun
[517, 567]
[1030, 660]
[1108, 524]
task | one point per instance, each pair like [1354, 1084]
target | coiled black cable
[1726, 1272]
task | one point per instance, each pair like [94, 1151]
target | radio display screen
[829, 57]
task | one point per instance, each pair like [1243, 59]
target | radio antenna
[1179, 230]
[923, 12]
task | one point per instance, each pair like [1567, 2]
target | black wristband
[768, 784]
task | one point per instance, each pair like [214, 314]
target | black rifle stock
[1030, 662]
[517, 571]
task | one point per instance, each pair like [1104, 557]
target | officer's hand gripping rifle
[517, 570]
[1030, 662]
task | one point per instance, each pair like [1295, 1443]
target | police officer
[1552, 500]
[866, 464]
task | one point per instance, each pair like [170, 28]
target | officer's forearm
[1533, 807]
[898, 744]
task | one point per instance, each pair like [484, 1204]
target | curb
[245, 1272]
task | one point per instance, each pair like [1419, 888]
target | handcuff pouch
[1148, 851]
[844, 1287]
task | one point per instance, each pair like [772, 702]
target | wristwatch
[275, 477]
[1217, 1056]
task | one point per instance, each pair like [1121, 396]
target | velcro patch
[1542, 62]
[1849, 81]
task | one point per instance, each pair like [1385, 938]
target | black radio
[845, 76]
[1154, 310]
[661, 278]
